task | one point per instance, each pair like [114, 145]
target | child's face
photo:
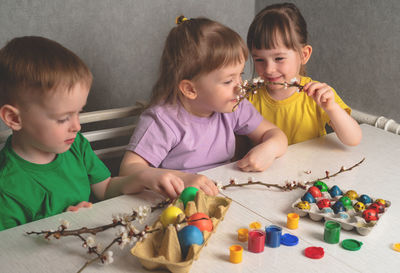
[50, 124]
[217, 91]
[279, 64]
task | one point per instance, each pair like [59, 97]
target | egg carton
[161, 249]
[349, 219]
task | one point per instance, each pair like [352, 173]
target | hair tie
[180, 19]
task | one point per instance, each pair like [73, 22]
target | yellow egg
[169, 215]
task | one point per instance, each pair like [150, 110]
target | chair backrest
[100, 136]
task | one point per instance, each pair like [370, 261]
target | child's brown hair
[38, 65]
[193, 48]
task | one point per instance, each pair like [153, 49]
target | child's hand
[201, 182]
[256, 160]
[82, 204]
[321, 93]
[164, 182]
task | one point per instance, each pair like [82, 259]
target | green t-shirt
[30, 192]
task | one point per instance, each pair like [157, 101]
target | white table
[376, 176]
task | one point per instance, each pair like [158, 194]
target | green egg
[188, 194]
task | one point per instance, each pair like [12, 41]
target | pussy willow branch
[292, 185]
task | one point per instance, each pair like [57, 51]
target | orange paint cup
[292, 221]
[243, 234]
[235, 254]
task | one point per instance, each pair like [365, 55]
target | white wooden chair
[93, 129]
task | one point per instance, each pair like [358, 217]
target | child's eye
[258, 60]
[279, 59]
[228, 82]
[61, 121]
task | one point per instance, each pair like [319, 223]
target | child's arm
[272, 143]
[137, 175]
[345, 127]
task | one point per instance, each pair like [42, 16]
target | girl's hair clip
[180, 19]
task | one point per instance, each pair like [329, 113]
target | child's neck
[30, 153]
[281, 94]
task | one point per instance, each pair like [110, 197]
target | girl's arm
[345, 127]
[272, 143]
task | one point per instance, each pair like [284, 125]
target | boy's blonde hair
[194, 48]
[283, 21]
[38, 65]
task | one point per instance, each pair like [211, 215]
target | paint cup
[255, 225]
[256, 241]
[243, 234]
[292, 221]
[332, 232]
[273, 236]
[235, 254]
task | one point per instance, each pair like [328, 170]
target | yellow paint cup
[243, 234]
[235, 254]
[255, 225]
[292, 221]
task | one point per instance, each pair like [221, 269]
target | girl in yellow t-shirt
[277, 39]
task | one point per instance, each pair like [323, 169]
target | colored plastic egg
[303, 205]
[351, 194]
[188, 194]
[315, 192]
[378, 207]
[383, 202]
[338, 207]
[365, 199]
[323, 203]
[308, 197]
[188, 236]
[370, 215]
[335, 191]
[202, 221]
[346, 201]
[321, 186]
[359, 206]
[169, 215]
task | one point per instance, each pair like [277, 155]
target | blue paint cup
[273, 236]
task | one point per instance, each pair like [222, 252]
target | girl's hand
[82, 204]
[201, 182]
[321, 93]
[256, 160]
[163, 182]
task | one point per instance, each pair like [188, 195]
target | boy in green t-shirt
[46, 165]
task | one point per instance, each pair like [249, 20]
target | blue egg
[335, 191]
[338, 207]
[365, 199]
[308, 197]
[188, 236]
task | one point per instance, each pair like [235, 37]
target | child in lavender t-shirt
[171, 138]
[190, 124]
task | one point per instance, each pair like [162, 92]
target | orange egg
[202, 221]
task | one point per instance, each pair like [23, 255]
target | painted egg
[188, 194]
[359, 206]
[351, 194]
[383, 202]
[202, 221]
[365, 199]
[346, 201]
[188, 236]
[370, 215]
[303, 205]
[315, 192]
[338, 207]
[308, 197]
[169, 215]
[378, 207]
[335, 191]
[323, 203]
[321, 186]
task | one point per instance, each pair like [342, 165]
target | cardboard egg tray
[161, 249]
[350, 219]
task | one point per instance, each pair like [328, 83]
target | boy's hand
[82, 204]
[256, 160]
[321, 93]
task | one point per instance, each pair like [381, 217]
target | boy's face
[50, 123]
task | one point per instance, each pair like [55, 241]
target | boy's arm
[272, 143]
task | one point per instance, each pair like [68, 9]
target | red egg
[202, 221]
[379, 207]
[323, 203]
[315, 192]
[370, 215]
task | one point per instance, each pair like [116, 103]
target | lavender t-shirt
[171, 138]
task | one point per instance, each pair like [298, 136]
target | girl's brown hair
[194, 48]
[37, 64]
[283, 21]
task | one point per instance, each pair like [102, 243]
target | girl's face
[217, 91]
[279, 64]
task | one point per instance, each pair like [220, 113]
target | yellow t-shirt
[298, 116]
